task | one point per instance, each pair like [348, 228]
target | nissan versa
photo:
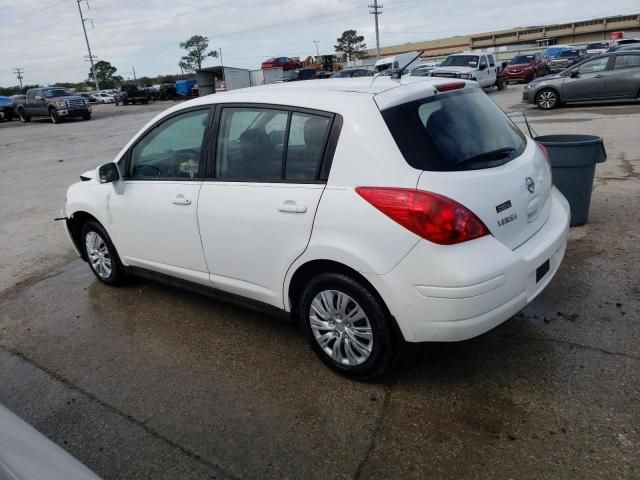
[371, 211]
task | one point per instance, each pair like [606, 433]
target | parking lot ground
[146, 381]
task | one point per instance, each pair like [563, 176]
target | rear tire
[347, 325]
[101, 254]
[547, 99]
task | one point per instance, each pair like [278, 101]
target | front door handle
[180, 199]
[599, 76]
[291, 206]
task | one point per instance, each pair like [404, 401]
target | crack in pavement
[182, 449]
[573, 344]
[376, 432]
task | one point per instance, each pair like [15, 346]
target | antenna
[398, 73]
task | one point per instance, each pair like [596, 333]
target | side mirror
[483, 66]
[574, 73]
[108, 173]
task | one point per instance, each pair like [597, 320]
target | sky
[45, 36]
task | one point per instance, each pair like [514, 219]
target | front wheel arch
[75, 223]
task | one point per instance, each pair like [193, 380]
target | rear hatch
[471, 152]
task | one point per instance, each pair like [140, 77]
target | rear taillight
[431, 216]
[546, 155]
[447, 87]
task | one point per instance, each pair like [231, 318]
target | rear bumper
[452, 293]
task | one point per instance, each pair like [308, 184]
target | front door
[257, 209]
[586, 81]
[154, 214]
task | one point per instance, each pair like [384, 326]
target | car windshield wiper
[497, 154]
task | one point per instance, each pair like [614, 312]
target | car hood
[556, 76]
[66, 97]
[453, 69]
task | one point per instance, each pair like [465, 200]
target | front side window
[491, 61]
[171, 150]
[461, 130]
[627, 61]
[595, 65]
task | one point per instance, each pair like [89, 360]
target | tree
[196, 48]
[106, 74]
[352, 45]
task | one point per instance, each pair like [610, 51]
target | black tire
[500, 83]
[117, 275]
[54, 116]
[384, 345]
[86, 116]
[125, 102]
[23, 116]
[547, 99]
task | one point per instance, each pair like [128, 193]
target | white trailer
[214, 79]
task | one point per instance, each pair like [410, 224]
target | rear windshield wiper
[493, 155]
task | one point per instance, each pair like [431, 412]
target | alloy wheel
[98, 254]
[547, 99]
[341, 328]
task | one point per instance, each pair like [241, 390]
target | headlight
[60, 104]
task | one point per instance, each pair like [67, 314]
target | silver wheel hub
[98, 254]
[547, 99]
[341, 327]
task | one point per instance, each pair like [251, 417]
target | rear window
[460, 130]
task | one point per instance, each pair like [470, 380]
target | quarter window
[627, 61]
[171, 150]
[307, 137]
[595, 65]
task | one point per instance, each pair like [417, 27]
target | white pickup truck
[480, 67]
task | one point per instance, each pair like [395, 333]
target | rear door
[263, 186]
[589, 81]
[623, 80]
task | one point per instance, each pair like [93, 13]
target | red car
[525, 67]
[285, 62]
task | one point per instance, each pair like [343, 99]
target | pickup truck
[480, 67]
[54, 102]
[131, 94]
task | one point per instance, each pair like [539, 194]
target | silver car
[612, 76]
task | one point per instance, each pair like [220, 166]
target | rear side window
[627, 61]
[307, 138]
[461, 130]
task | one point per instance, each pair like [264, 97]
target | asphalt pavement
[145, 381]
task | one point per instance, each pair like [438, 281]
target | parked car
[612, 76]
[554, 50]
[299, 74]
[525, 67]
[352, 73]
[423, 69]
[103, 98]
[285, 63]
[567, 58]
[27, 454]
[7, 108]
[479, 67]
[278, 203]
[616, 44]
[131, 94]
[54, 102]
[89, 96]
[628, 46]
[596, 48]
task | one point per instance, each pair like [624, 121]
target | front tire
[86, 116]
[54, 116]
[547, 99]
[23, 115]
[348, 327]
[101, 254]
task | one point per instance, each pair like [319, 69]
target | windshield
[593, 46]
[461, 61]
[569, 53]
[56, 92]
[520, 59]
[553, 51]
[383, 67]
[460, 130]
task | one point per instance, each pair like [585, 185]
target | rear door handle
[180, 199]
[291, 206]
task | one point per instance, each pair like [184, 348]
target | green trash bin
[573, 162]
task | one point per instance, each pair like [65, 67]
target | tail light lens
[431, 216]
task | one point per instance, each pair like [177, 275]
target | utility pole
[135, 80]
[84, 29]
[317, 51]
[19, 71]
[376, 10]
[220, 52]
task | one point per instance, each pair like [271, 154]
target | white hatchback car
[372, 212]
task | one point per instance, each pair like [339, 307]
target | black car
[566, 59]
[352, 73]
[7, 108]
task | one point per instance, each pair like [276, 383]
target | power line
[19, 71]
[376, 11]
